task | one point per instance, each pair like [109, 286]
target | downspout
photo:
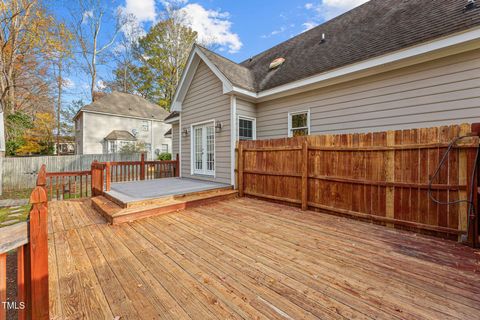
[233, 137]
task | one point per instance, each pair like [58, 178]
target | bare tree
[88, 19]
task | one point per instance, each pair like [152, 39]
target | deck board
[250, 259]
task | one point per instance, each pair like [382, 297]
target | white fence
[21, 172]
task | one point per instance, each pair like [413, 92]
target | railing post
[42, 177]
[142, 166]
[305, 175]
[108, 177]
[177, 166]
[240, 169]
[94, 176]
[37, 257]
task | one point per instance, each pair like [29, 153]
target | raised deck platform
[250, 259]
[129, 201]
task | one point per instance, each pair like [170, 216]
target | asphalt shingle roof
[120, 135]
[127, 105]
[375, 28]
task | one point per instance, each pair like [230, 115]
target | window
[298, 123]
[112, 146]
[164, 148]
[246, 128]
[144, 125]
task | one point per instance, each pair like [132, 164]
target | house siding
[246, 108]
[79, 134]
[175, 139]
[97, 126]
[205, 101]
[438, 92]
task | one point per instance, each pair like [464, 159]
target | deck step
[116, 214]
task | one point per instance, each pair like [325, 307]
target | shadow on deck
[250, 259]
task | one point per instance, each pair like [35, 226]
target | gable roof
[120, 135]
[370, 30]
[238, 75]
[127, 105]
[373, 29]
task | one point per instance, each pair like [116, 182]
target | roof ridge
[349, 12]
[223, 57]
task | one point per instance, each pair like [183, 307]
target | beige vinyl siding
[175, 139]
[438, 92]
[246, 108]
[205, 101]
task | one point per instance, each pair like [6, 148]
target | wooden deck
[249, 259]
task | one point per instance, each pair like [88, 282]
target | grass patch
[16, 194]
[10, 213]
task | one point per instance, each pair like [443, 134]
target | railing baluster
[3, 284]
[21, 285]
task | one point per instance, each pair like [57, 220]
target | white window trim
[254, 126]
[192, 168]
[290, 114]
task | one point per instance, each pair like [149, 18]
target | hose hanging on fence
[471, 205]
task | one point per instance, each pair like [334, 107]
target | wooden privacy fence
[30, 240]
[382, 176]
[20, 172]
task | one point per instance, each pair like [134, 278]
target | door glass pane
[210, 148]
[198, 148]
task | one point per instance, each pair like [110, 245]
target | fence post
[472, 216]
[177, 166]
[305, 175]
[142, 166]
[240, 169]
[108, 177]
[37, 256]
[390, 177]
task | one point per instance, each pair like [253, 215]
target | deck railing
[30, 240]
[68, 185]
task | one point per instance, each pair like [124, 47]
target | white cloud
[143, 10]
[87, 15]
[101, 85]
[68, 83]
[309, 25]
[328, 9]
[213, 27]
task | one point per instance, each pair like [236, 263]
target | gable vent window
[299, 123]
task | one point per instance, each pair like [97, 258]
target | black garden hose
[471, 205]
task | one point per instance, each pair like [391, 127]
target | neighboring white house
[117, 119]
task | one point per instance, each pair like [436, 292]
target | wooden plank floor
[249, 259]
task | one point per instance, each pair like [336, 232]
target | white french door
[203, 142]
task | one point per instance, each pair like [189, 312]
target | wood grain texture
[3, 285]
[252, 259]
[382, 176]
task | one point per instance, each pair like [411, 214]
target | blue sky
[236, 29]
